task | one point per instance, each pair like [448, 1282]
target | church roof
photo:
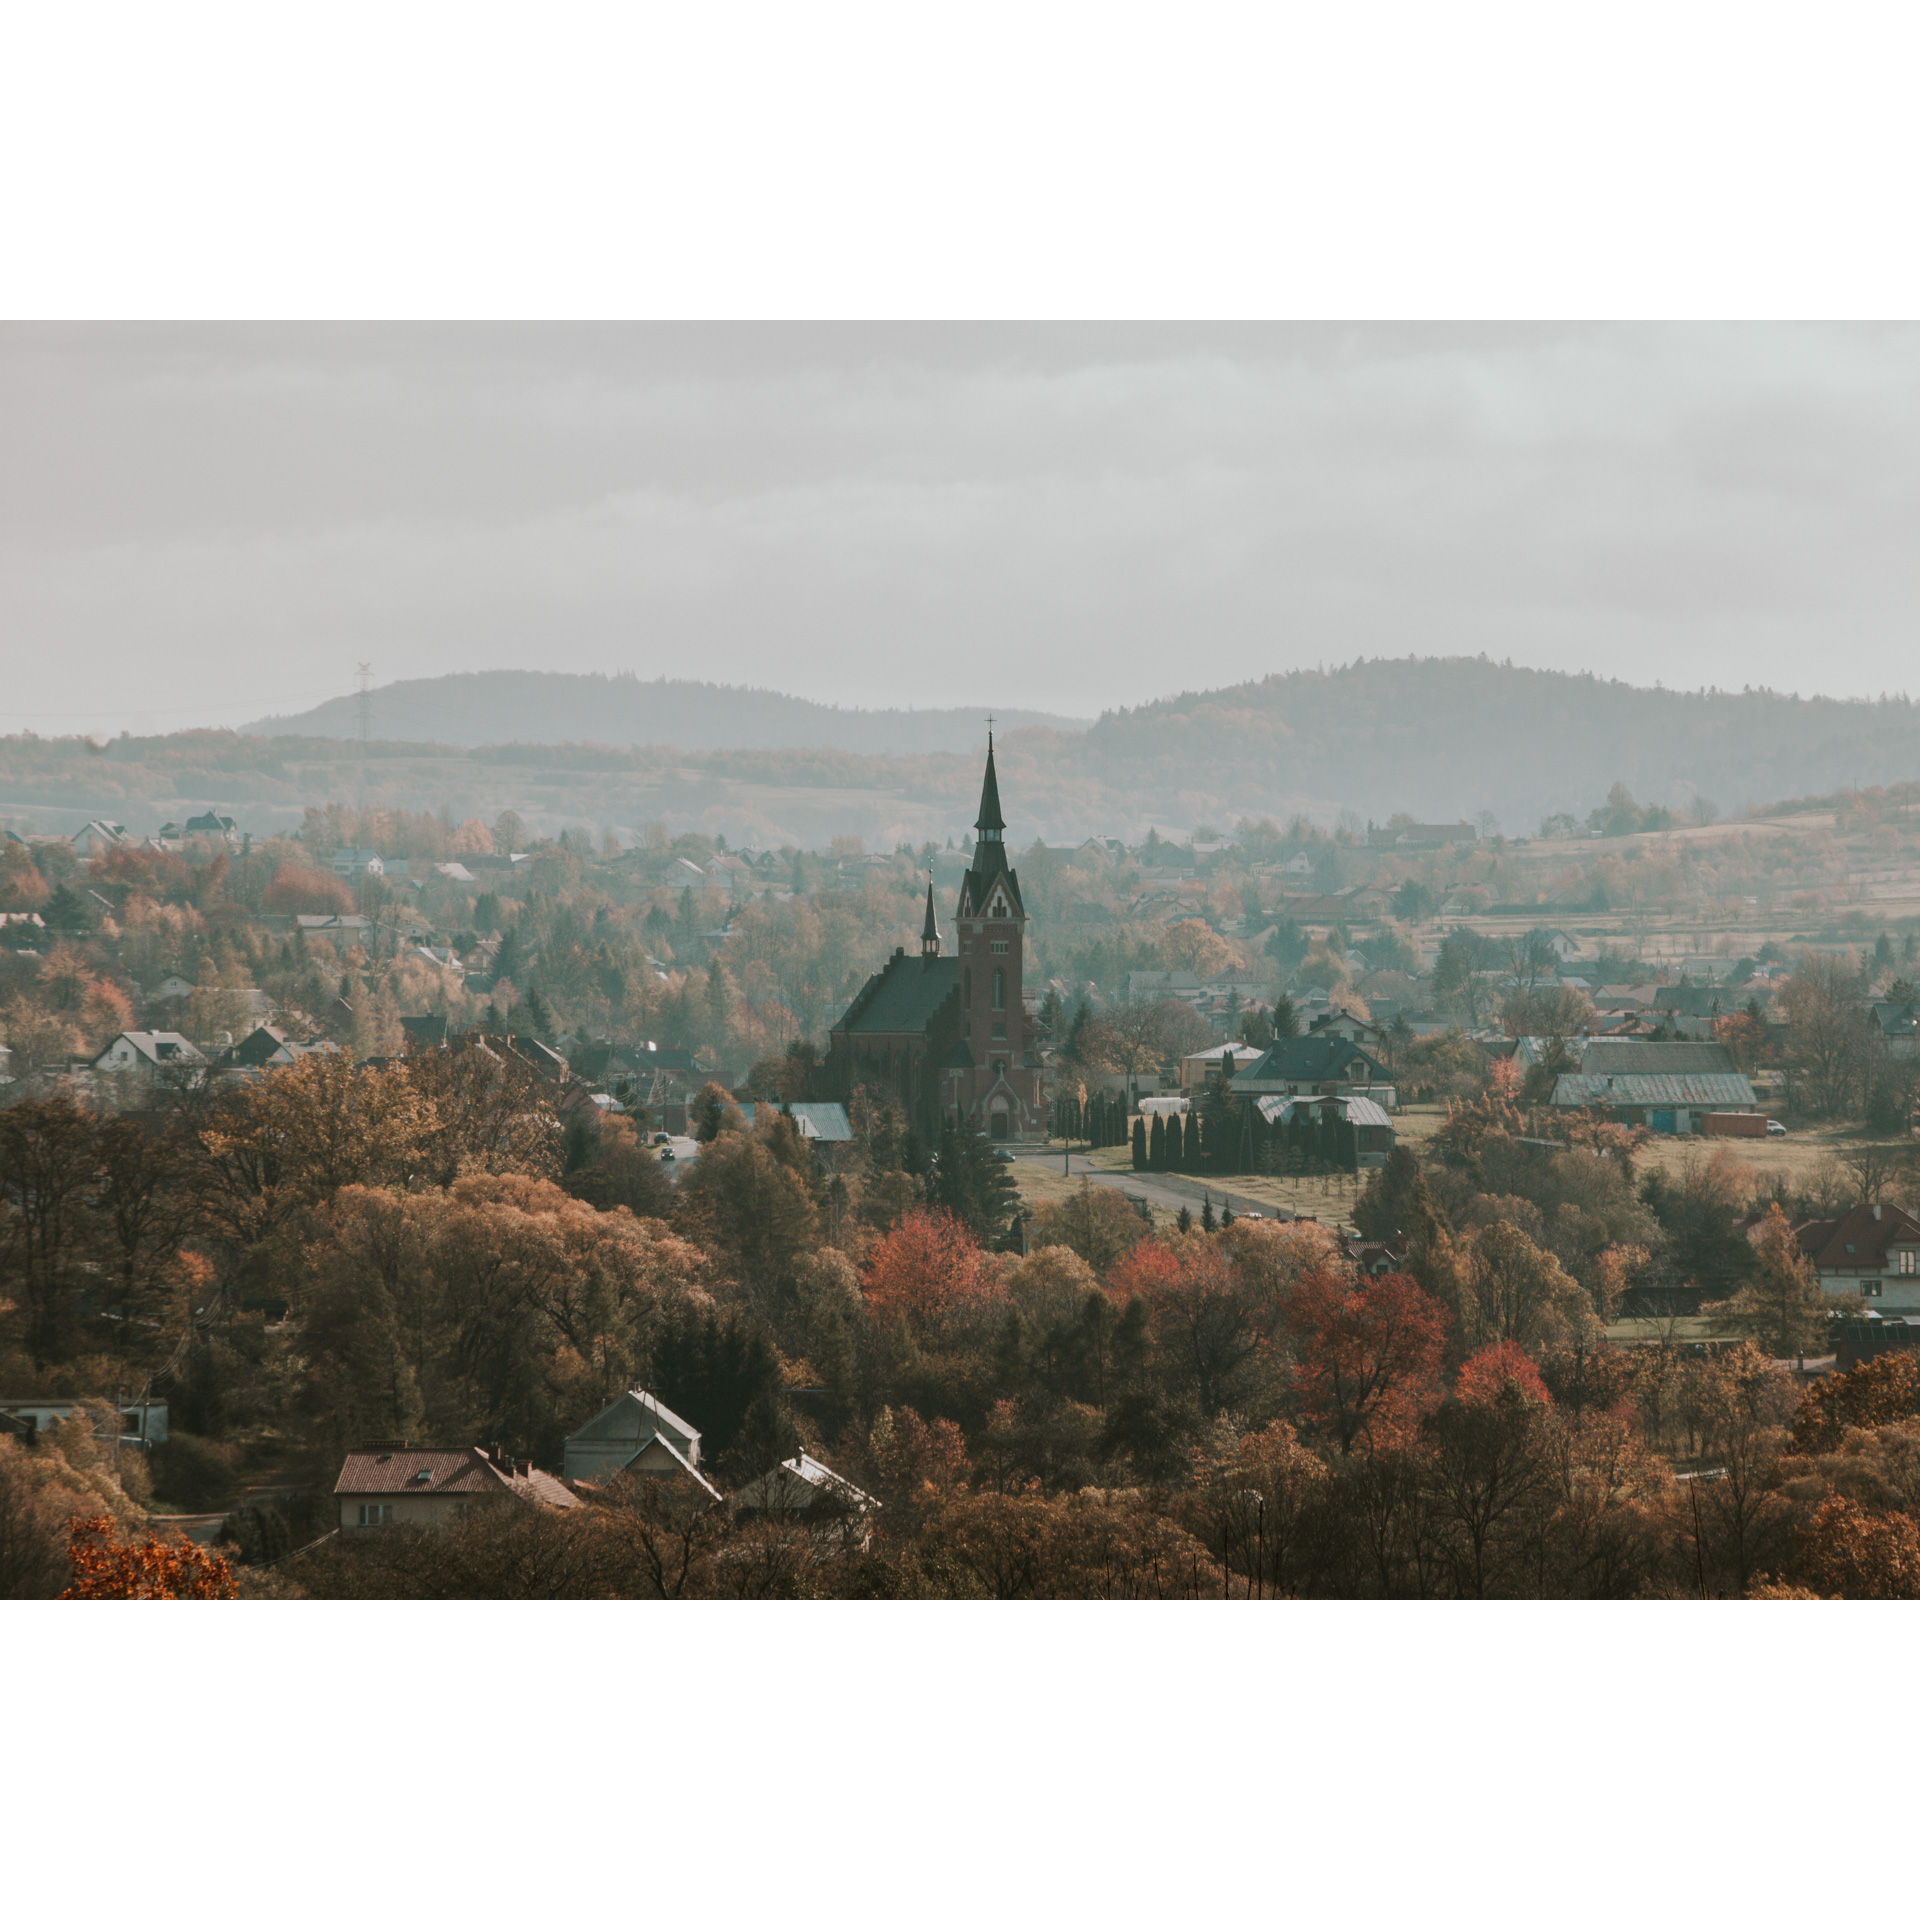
[931, 931]
[903, 996]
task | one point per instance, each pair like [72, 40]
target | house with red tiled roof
[427, 1486]
[1870, 1254]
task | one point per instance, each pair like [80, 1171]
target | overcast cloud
[201, 525]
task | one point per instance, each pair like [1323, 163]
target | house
[424, 1030]
[427, 1486]
[173, 987]
[1349, 1026]
[1419, 837]
[269, 1046]
[1315, 1063]
[619, 1435]
[1663, 1084]
[349, 863]
[1205, 1068]
[808, 1487]
[100, 836]
[1871, 1253]
[143, 1423]
[149, 1056]
[1897, 1022]
[1146, 986]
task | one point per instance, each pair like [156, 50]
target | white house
[349, 863]
[619, 1435]
[804, 1486]
[149, 1055]
[98, 837]
[1203, 1069]
[143, 1423]
[1870, 1254]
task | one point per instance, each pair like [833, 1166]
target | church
[947, 1035]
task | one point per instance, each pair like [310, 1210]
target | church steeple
[930, 932]
[990, 848]
[990, 824]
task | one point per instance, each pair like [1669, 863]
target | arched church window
[966, 990]
[999, 988]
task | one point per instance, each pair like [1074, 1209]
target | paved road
[1171, 1191]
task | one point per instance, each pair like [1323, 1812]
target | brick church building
[947, 1034]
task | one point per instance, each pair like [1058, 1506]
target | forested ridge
[1437, 739]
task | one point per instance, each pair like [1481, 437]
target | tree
[103, 1568]
[926, 1268]
[1828, 1051]
[1782, 1308]
[1486, 1463]
[1142, 1157]
[1504, 1287]
[1369, 1352]
[1098, 1223]
[1852, 1554]
[970, 1183]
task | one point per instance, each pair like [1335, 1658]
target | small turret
[930, 932]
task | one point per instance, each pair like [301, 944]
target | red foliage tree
[924, 1268]
[1369, 1352]
[1484, 1375]
[102, 1568]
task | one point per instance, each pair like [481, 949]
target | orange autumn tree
[1852, 1554]
[1485, 1375]
[103, 1568]
[924, 1269]
[1369, 1352]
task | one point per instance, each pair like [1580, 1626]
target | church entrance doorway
[997, 1123]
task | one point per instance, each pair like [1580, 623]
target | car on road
[666, 1153]
[1774, 1126]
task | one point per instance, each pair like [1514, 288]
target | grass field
[1798, 1157]
[1330, 1201]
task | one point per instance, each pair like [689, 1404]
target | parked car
[1001, 1153]
[1774, 1126]
[661, 1139]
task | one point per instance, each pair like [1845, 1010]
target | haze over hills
[621, 710]
[1439, 739]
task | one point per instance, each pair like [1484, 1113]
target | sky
[202, 524]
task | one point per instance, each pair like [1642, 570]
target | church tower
[990, 925]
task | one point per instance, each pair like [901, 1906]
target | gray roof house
[148, 1054]
[1663, 1084]
[1315, 1063]
[809, 1488]
[633, 1431]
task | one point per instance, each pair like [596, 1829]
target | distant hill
[620, 710]
[1442, 740]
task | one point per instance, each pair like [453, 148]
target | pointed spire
[930, 932]
[990, 821]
